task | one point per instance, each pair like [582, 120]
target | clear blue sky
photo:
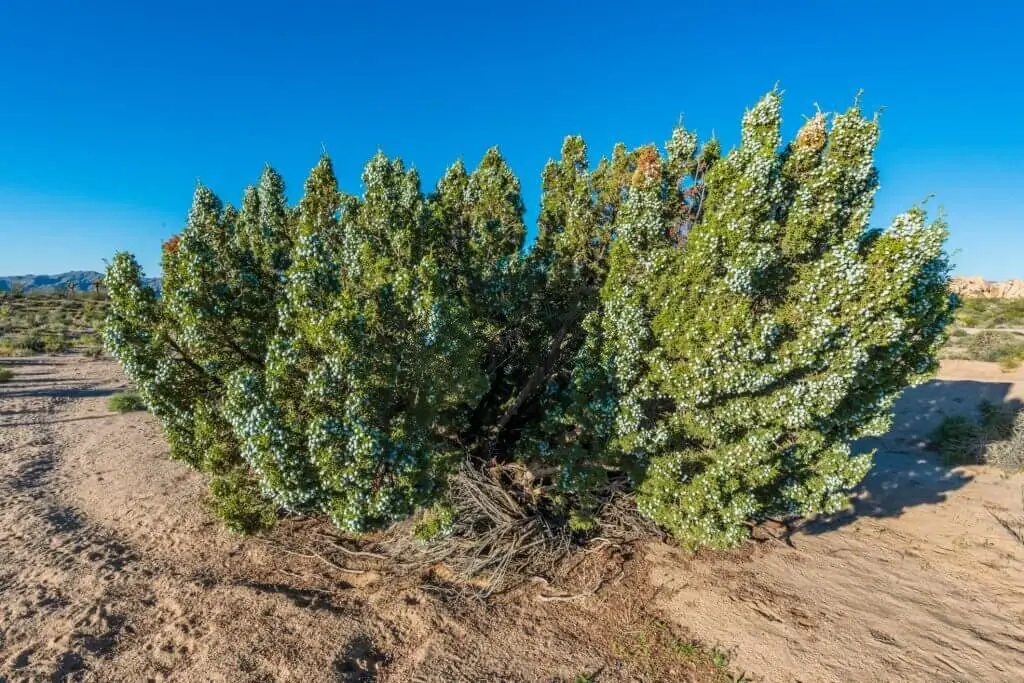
[110, 111]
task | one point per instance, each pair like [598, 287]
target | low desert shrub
[708, 334]
[93, 352]
[998, 419]
[958, 440]
[995, 437]
[968, 320]
[43, 323]
[1005, 446]
[54, 343]
[6, 375]
[994, 346]
[125, 402]
[33, 342]
[29, 343]
[991, 313]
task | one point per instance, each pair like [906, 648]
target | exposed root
[495, 538]
[337, 544]
[566, 598]
[313, 553]
[501, 535]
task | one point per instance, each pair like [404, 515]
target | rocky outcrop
[977, 286]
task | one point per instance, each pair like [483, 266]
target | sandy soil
[111, 569]
[923, 580]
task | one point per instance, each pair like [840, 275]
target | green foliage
[6, 375]
[991, 313]
[786, 330]
[125, 402]
[581, 521]
[48, 323]
[436, 521]
[710, 331]
[53, 343]
[957, 439]
[35, 342]
[237, 502]
[998, 419]
[31, 342]
[995, 346]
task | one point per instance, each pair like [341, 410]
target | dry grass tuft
[1008, 451]
[995, 438]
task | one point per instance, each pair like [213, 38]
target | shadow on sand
[906, 471]
[28, 423]
[69, 392]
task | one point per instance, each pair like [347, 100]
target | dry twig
[500, 538]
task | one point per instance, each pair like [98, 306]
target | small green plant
[125, 402]
[5, 375]
[956, 439]
[582, 521]
[720, 658]
[656, 642]
[236, 500]
[1012, 362]
[436, 522]
[997, 419]
[53, 343]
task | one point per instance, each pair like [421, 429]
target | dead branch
[500, 538]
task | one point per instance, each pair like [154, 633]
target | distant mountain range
[83, 280]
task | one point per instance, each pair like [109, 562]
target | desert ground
[111, 569]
